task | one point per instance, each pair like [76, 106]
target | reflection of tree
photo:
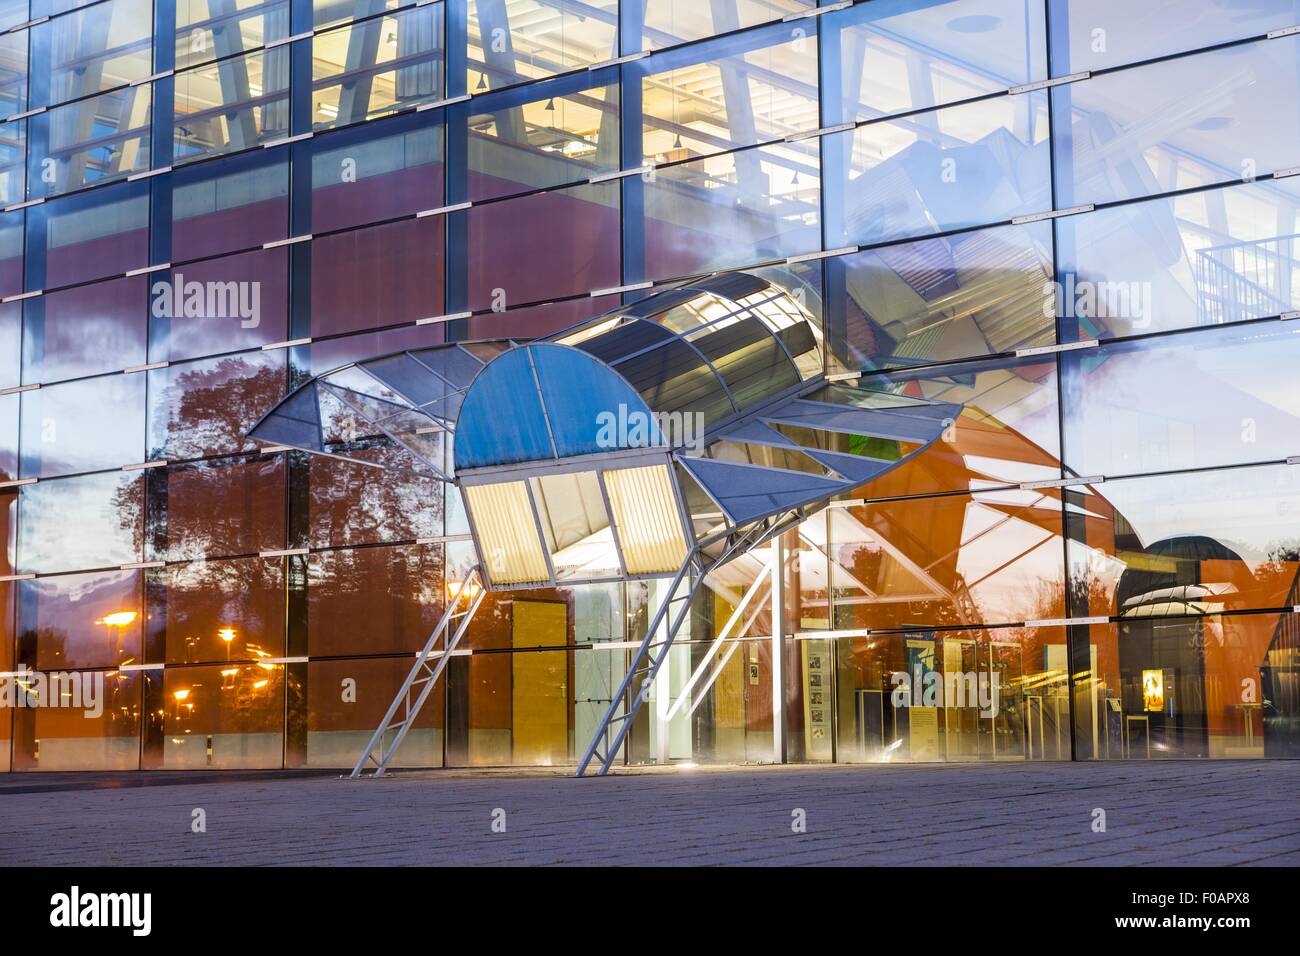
[210, 407]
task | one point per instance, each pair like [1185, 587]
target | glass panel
[374, 173]
[1106, 33]
[988, 558]
[897, 55]
[513, 42]
[731, 210]
[84, 620]
[219, 611]
[90, 141]
[968, 165]
[81, 426]
[380, 65]
[506, 538]
[222, 717]
[232, 104]
[924, 302]
[9, 405]
[1198, 687]
[207, 407]
[91, 50]
[13, 157]
[220, 305]
[95, 521]
[1178, 124]
[955, 696]
[221, 509]
[103, 737]
[85, 330]
[328, 12]
[385, 275]
[666, 23]
[522, 140]
[540, 247]
[650, 532]
[1195, 400]
[348, 506]
[1204, 258]
[739, 91]
[538, 320]
[1007, 432]
[214, 29]
[1189, 544]
[236, 203]
[575, 525]
[104, 232]
[340, 725]
[391, 595]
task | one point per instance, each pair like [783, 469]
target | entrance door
[540, 685]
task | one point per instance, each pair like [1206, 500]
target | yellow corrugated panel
[645, 513]
[508, 542]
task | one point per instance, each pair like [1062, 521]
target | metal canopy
[663, 439]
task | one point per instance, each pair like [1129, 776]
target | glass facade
[1075, 218]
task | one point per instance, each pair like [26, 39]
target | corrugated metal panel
[507, 535]
[648, 521]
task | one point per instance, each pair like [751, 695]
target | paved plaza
[1174, 812]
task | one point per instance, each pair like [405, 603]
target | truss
[423, 677]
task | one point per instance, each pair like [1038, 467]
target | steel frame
[470, 593]
[653, 650]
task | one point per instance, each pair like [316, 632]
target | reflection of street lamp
[227, 634]
[118, 620]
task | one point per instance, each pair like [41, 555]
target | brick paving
[1225, 813]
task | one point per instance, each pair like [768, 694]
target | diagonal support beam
[452, 626]
[763, 577]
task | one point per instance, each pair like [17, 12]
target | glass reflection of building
[206, 203]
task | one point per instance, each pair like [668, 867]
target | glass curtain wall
[1076, 218]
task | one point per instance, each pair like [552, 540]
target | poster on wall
[817, 700]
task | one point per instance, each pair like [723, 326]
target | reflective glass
[383, 275]
[1098, 34]
[1194, 400]
[219, 305]
[1007, 432]
[231, 104]
[377, 66]
[219, 611]
[1177, 124]
[894, 56]
[84, 620]
[512, 41]
[85, 425]
[215, 29]
[248, 498]
[666, 23]
[532, 138]
[206, 407]
[968, 165]
[90, 141]
[102, 46]
[104, 232]
[221, 717]
[395, 595]
[85, 330]
[1202, 258]
[736, 209]
[543, 246]
[13, 162]
[369, 174]
[92, 521]
[752, 88]
[230, 204]
[935, 300]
